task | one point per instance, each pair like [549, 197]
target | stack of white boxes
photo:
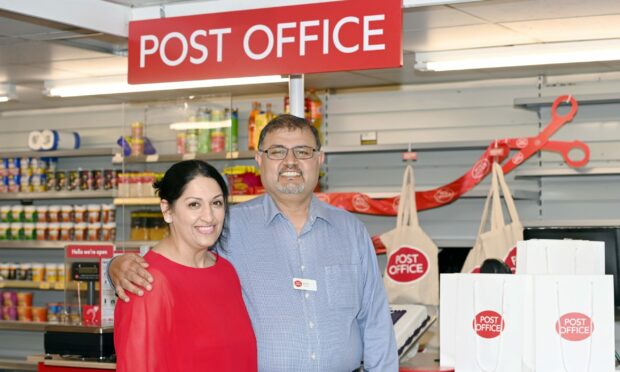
[555, 314]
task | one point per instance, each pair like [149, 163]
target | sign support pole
[296, 94]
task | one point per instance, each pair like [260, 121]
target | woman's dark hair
[494, 266]
[176, 178]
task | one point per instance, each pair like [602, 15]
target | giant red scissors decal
[497, 151]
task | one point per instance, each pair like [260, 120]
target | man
[308, 270]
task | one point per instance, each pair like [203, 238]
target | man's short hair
[290, 122]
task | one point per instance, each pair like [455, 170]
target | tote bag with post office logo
[411, 273]
[500, 241]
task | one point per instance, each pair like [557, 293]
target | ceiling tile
[95, 67]
[436, 16]
[566, 29]
[462, 38]
[522, 10]
[32, 52]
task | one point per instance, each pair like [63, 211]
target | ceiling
[33, 49]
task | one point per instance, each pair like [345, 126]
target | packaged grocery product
[5, 231]
[73, 180]
[5, 213]
[137, 146]
[12, 273]
[243, 180]
[51, 273]
[42, 213]
[93, 231]
[17, 213]
[85, 180]
[24, 313]
[17, 231]
[79, 213]
[97, 176]
[191, 141]
[39, 314]
[53, 213]
[4, 274]
[181, 142]
[108, 232]
[30, 213]
[218, 140]
[94, 213]
[53, 231]
[30, 231]
[9, 298]
[9, 312]
[66, 231]
[62, 182]
[38, 272]
[41, 231]
[137, 130]
[108, 212]
[66, 213]
[109, 179]
[79, 231]
[24, 299]
[60, 272]
[252, 136]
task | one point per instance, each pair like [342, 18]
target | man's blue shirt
[331, 329]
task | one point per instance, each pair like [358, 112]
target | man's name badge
[304, 284]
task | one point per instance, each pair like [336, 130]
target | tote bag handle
[407, 208]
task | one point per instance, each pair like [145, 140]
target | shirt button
[303, 267]
[311, 325]
[307, 295]
[313, 356]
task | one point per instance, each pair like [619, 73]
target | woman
[194, 319]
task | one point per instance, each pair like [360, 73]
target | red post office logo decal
[359, 203]
[297, 283]
[407, 265]
[511, 259]
[444, 195]
[480, 169]
[574, 326]
[488, 324]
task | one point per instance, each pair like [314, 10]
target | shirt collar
[317, 210]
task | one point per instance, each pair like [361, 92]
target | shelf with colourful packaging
[173, 158]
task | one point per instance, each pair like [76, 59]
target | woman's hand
[128, 273]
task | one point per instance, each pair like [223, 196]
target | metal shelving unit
[563, 172]
[79, 153]
[42, 244]
[173, 158]
[583, 99]
[55, 195]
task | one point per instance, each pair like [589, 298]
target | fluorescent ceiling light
[519, 55]
[7, 92]
[200, 125]
[118, 84]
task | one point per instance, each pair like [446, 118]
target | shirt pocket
[342, 286]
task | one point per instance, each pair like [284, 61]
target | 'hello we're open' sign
[323, 37]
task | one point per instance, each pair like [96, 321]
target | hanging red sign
[323, 37]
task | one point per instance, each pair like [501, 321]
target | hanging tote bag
[411, 274]
[501, 240]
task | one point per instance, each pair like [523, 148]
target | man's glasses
[280, 152]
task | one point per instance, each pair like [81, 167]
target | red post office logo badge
[511, 259]
[574, 326]
[488, 324]
[407, 264]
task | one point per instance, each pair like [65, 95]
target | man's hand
[128, 273]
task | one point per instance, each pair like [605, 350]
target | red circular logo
[480, 169]
[488, 324]
[574, 326]
[444, 195]
[522, 142]
[511, 259]
[297, 283]
[407, 265]
[359, 203]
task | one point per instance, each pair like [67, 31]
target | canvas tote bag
[501, 240]
[411, 274]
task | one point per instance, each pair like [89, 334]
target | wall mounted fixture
[7, 92]
[519, 55]
[118, 84]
